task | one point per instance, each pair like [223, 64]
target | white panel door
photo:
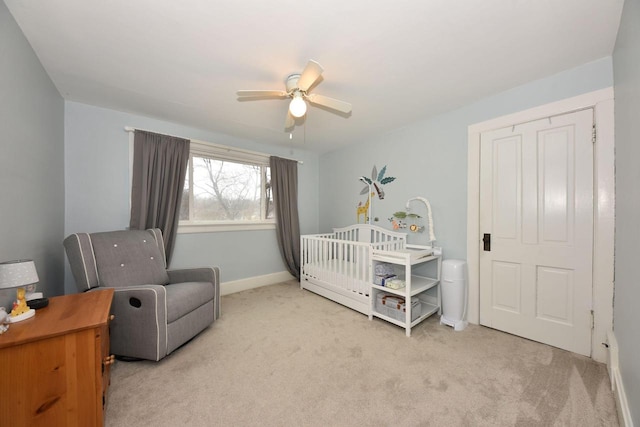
[536, 203]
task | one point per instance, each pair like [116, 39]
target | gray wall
[626, 64]
[429, 158]
[97, 191]
[31, 161]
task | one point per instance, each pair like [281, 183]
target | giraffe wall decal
[377, 180]
[363, 210]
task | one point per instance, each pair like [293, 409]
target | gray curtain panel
[284, 181]
[159, 168]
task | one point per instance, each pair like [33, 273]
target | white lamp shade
[297, 107]
[15, 274]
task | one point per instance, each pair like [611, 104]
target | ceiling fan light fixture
[297, 107]
[298, 86]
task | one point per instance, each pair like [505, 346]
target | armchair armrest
[139, 328]
[208, 274]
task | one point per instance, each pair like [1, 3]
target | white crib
[337, 265]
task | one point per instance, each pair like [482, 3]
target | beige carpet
[280, 356]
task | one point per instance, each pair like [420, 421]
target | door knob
[487, 241]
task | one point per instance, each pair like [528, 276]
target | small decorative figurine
[4, 320]
[398, 217]
[397, 224]
[416, 228]
[20, 305]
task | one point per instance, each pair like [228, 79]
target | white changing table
[427, 289]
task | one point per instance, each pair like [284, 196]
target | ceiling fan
[297, 88]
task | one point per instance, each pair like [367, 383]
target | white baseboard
[622, 404]
[227, 288]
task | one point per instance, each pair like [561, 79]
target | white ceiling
[396, 61]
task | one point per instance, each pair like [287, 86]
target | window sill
[222, 227]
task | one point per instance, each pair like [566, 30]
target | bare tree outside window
[268, 211]
[222, 190]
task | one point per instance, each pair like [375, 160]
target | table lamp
[18, 274]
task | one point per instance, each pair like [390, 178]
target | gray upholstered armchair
[156, 310]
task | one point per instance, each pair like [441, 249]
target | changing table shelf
[430, 310]
[426, 289]
[419, 284]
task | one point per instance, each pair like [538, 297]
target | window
[226, 189]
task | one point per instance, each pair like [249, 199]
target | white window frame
[221, 152]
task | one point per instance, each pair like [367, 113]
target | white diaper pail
[454, 294]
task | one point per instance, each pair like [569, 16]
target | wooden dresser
[54, 367]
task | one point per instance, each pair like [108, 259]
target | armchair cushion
[206, 274]
[185, 297]
[129, 258]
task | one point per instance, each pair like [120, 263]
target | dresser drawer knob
[111, 317]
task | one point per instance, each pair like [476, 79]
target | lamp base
[24, 316]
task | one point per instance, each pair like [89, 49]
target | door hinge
[593, 322]
[593, 134]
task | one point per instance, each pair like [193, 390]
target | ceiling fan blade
[334, 104]
[262, 93]
[289, 121]
[310, 74]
